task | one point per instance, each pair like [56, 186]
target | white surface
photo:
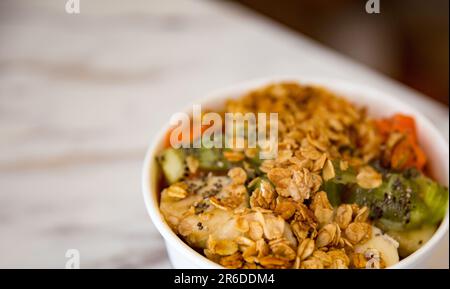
[82, 95]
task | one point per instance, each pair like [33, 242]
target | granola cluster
[286, 220]
[294, 235]
[313, 121]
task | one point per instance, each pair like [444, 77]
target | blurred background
[407, 41]
[83, 94]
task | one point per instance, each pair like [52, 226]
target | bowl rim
[241, 88]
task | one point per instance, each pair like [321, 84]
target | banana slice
[379, 246]
[197, 219]
[175, 209]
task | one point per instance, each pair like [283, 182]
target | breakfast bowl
[379, 105]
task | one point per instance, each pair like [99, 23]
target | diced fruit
[384, 244]
[333, 191]
[336, 187]
[403, 201]
[411, 240]
[173, 164]
[344, 177]
[211, 159]
[405, 152]
[435, 198]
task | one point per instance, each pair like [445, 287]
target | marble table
[81, 96]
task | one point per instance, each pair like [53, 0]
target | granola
[287, 212]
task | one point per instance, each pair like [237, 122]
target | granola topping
[281, 213]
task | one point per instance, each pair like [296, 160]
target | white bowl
[378, 103]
